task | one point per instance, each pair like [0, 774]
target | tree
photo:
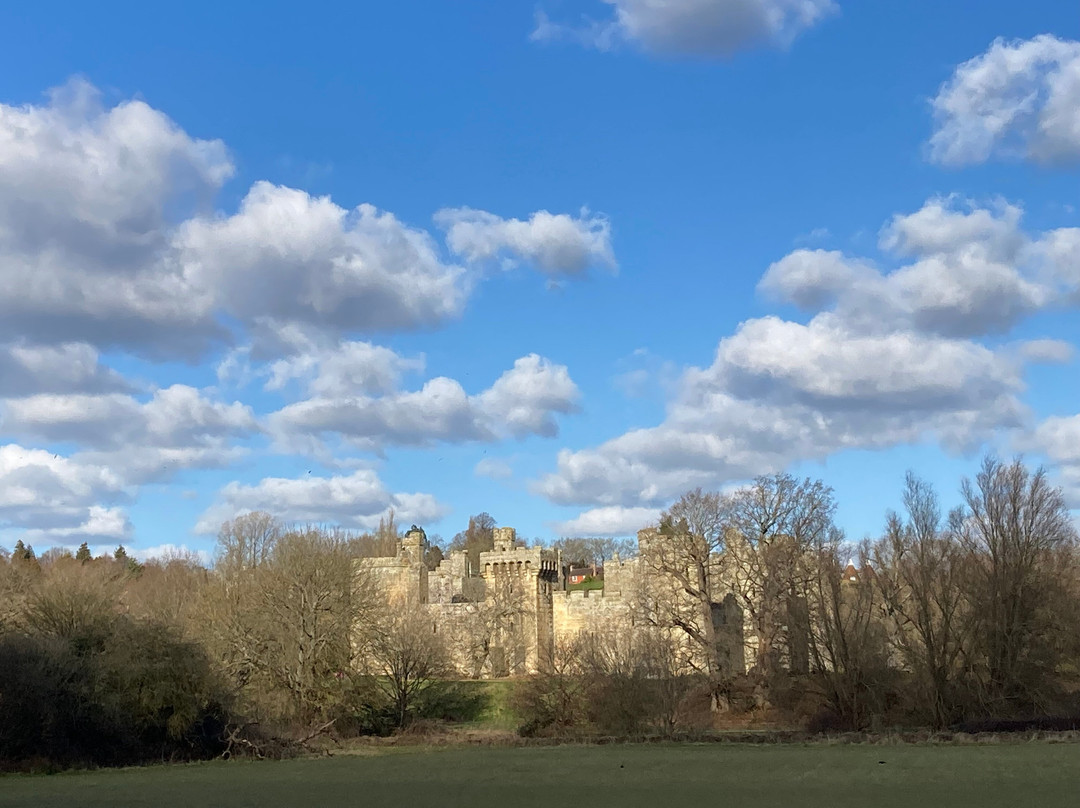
[478, 537]
[120, 554]
[291, 627]
[407, 658]
[23, 552]
[586, 552]
[682, 558]
[772, 525]
[248, 540]
[847, 641]
[1018, 542]
[489, 628]
[83, 554]
[433, 556]
[918, 569]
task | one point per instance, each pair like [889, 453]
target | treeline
[108, 662]
[748, 604]
[967, 619]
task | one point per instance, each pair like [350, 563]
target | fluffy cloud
[341, 369]
[1019, 99]
[974, 272]
[523, 401]
[891, 360]
[286, 257]
[56, 498]
[557, 244]
[177, 428]
[85, 199]
[358, 500]
[1058, 438]
[108, 237]
[68, 368]
[608, 521]
[697, 27]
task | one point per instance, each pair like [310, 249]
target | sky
[558, 261]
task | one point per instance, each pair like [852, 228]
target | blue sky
[610, 251]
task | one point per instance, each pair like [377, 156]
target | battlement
[506, 540]
[513, 557]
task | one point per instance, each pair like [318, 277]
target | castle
[507, 616]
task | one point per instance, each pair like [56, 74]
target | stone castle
[508, 616]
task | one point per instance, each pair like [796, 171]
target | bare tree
[407, 657]
[773, 526]
[1018, 540]
[292, 625]
[490, 626]
[592, 551]
[248, 540]
[681, 559]
[918, 569]
[477, 538]
[847, 639]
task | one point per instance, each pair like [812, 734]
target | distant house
[578, 575]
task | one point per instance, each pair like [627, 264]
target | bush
[137, 693]
[548, 703]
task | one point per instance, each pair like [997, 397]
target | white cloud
[177, 428]
[523, 401]
[975, 271]
[358, 500]
[289, 258]
[54, 498]
[342, 369]
[68, 368]
[108, 237]
[101, 523]
[642, 374]
[695, 27]
[1058, 438]
[557, 244]
[893, 359]
[1019, 99]
[494, 469]
[167, 552]
[608, 521]
[86, 197]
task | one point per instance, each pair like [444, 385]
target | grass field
[813, 776]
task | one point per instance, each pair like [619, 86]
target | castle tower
[414, 545]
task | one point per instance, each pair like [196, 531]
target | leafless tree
[1018, 542]
[407, 657]
[293, 624]
[248, 540]
[918, 568]
[590, 551]
[773, 527]
[847, 639]
[494, 622]
[681, 564]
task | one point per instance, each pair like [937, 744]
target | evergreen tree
[82, 555]
[120, 554]
[23, 552]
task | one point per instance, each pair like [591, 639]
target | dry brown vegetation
[968, 620]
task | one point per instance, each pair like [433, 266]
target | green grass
[812, 776]
[587, 585]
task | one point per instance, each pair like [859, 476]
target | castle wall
[506, 617]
